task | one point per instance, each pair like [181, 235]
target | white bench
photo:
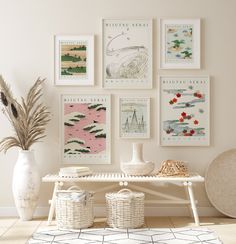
[125, 180]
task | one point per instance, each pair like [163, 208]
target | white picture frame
[127, 53]
[85, 129]
[184, 110]
[134, 117]
[74, 60]
[180, 43]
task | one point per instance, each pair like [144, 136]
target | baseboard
[100, 211]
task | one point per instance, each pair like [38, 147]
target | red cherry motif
[192, 131]
[197, 94]
[181, 119]
[195, 122]
[187, 134]
[174, 100]
[183, 114]
[178, 95]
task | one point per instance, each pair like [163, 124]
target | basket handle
[125, 190]
[74, 188]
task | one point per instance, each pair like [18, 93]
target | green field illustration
[73, 60]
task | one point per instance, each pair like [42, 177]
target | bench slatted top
[117, 177]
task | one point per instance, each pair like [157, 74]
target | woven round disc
[220, 181]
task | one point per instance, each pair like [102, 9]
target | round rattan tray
[220, 182]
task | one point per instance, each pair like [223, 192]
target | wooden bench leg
[57, 186]
[192, 201]
[187, 197]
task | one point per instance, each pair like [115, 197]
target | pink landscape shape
[96, 145]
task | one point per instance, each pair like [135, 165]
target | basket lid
[74, 193]
[125, 194]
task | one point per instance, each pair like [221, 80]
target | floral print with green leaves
[179, 43]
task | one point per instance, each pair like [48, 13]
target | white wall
[27, 51]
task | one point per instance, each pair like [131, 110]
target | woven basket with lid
[125, 209]
[74, 208]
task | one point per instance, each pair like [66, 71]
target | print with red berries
[184, 111]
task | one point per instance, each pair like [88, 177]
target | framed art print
[74, 60]
[127, 54]
[184, 111]
[85, 129]
[134, 117]
[180, 43]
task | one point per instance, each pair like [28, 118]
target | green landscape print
[73, 59]
[179, 43]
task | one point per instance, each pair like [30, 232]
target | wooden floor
[14, 231]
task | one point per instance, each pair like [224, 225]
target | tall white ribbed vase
[26, 184]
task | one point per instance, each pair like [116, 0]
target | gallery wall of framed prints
[183, 100]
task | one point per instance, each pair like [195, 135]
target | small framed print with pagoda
[74, 60]
[134, 117]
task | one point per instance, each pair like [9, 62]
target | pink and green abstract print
[85, 128]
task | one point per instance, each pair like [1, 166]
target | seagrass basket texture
[125, 209]
[74, 209]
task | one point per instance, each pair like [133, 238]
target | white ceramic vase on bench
[137, 165]
[26, 184]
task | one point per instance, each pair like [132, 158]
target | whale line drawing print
[127, 55]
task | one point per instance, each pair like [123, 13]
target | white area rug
[127, 236]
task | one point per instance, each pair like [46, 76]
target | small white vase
[137, 165]
[26, 184]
